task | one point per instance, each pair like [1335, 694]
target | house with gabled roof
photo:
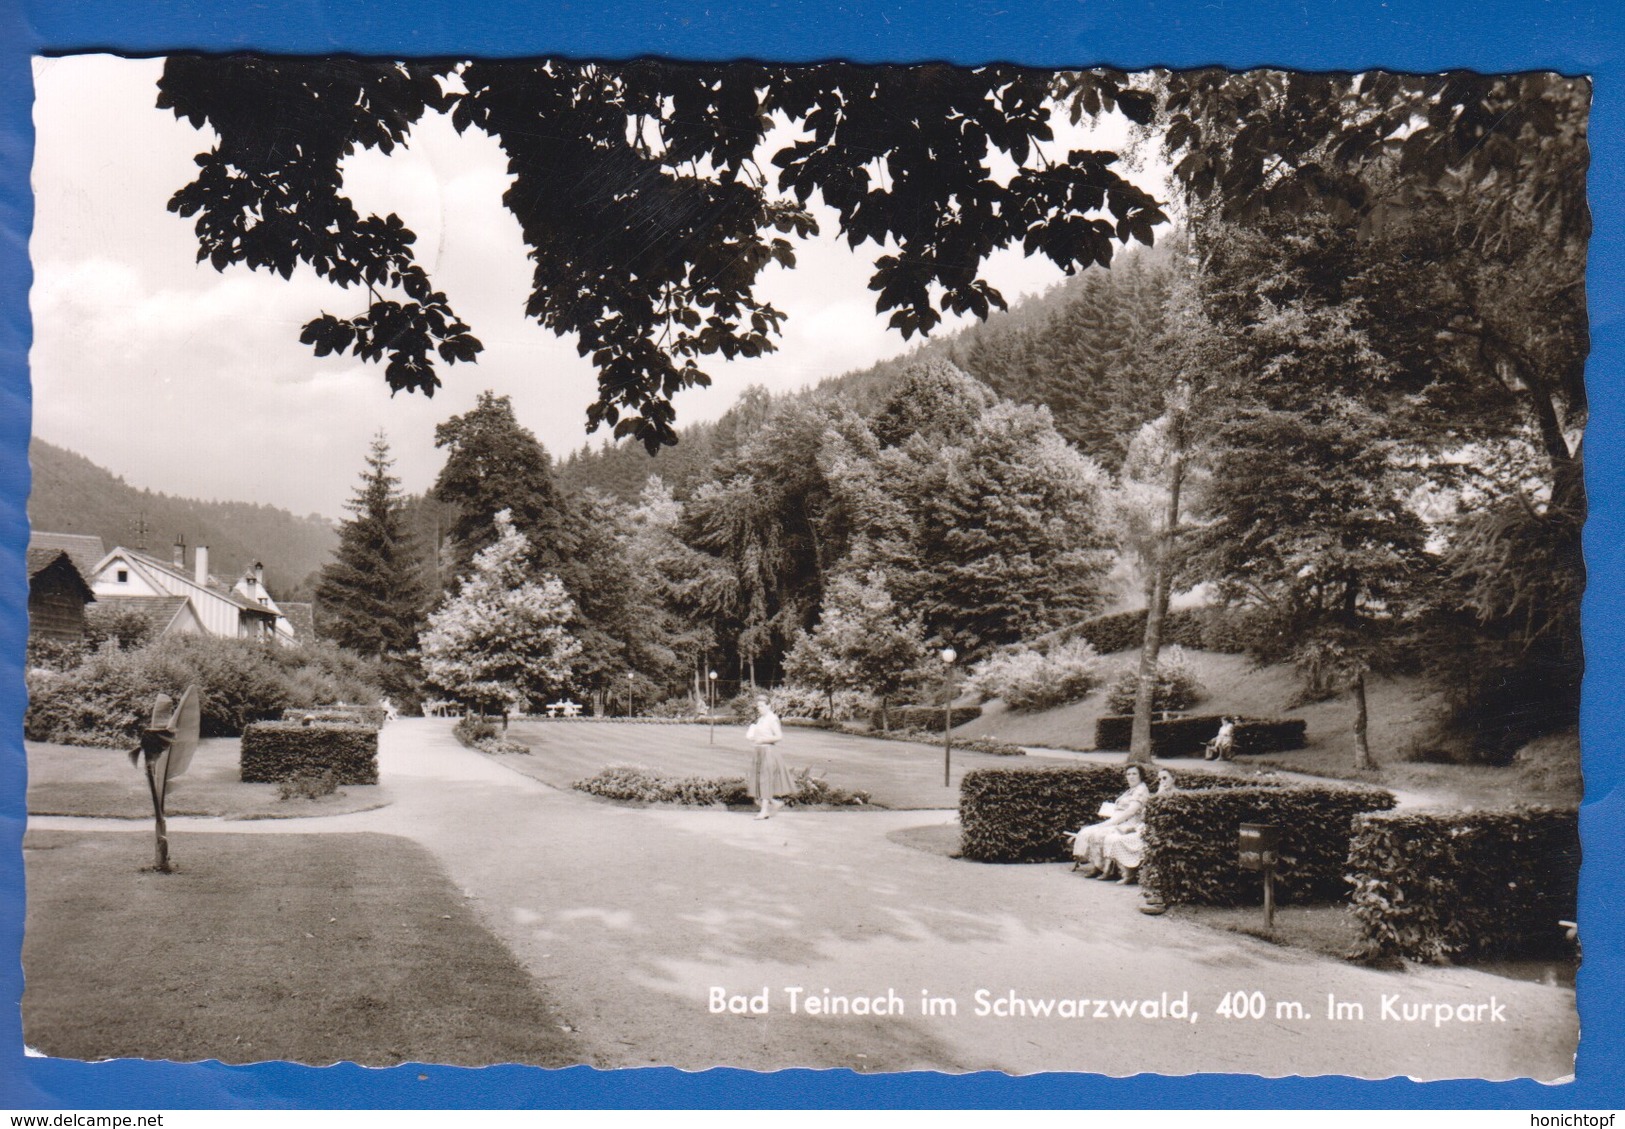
[144, 582]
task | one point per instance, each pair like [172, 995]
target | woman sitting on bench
[1089, 844]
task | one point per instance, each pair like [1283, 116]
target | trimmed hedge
[1185, 736]
[274, 751]
[1197, 628]
[1021, 814]
[924, 717]
[1441, 886]
[1191, 851]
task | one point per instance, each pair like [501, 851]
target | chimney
[180, 551]
[201, 558]
[259, 576]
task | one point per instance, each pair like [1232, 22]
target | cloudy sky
[192, 382]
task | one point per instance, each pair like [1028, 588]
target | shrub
[1439, 886]
[928, 718]
[1191, 852]
[1186, 736]
[805, 701]
[483, 734]
[348, 715]
[1022, 814]
[274, 751]
[1202, 629]
[990, 745]
[125, 627]
[106, 700]
[633, 784]
[305, 787]
[1177, 687]
[1027, 680]
[56, 656]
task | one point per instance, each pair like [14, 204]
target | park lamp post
[947, 655]
[629, 694]
[711, 705]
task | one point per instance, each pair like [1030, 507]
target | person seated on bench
[1089, 844]
[1125, 844]
[1223, 744]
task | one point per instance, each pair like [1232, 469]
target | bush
[1177, 687]
[990, 745]
[1027, 680]
[1191, 852]
[1440, 886]
[805, 701]
[55, 656]
[1021, 814]
[1201, 629]
[348, 715]
[274, 751]
[633, 784]
[483, 735]
[307, 787]
[928, 718]
[108, 698]
[1187, 736]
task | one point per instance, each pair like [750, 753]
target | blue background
[1486, 35]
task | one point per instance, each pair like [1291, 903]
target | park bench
[565, 708]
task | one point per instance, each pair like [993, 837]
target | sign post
[1259, 846]
[167, 745]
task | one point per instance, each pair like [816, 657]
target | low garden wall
[1191, 842]
[1021, 814]
[1186, 736]
[1441, 886]
[274, 751]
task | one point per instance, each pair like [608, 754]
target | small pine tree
[370, 594]
[501, 642]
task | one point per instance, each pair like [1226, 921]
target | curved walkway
[632, 919]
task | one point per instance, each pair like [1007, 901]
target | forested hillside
[71, 494]
[1081, 350]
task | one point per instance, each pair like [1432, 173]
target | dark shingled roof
[40, 560]
[85, 549]
[158, 611]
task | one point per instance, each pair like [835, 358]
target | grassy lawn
[1546, 772]
[896, 774]
[294, 947]
[73, 780]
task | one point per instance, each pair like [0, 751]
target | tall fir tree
[370, 595]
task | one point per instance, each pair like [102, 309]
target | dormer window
[123, 576]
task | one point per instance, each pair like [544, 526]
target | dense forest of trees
[1346, 397]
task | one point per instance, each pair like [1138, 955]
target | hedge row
[1191, 849]
[1197, 628]
[924, 717]
[1021, 814]
[273, 751]
[1186, 736]
[1453, 885]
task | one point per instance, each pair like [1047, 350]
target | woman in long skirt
[1089, 844]
[769, 779]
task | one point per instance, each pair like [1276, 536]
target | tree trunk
[1362, 747]
[1157, 598]
[885, 720]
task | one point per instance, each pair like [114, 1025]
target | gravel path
[632, 919]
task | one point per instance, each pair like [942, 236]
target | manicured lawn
[73, 780]
[896, 774]
[306, 948]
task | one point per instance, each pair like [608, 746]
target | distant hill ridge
[71, 494]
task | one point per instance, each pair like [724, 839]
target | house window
[123, 576]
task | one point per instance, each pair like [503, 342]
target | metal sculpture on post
[167, 745]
